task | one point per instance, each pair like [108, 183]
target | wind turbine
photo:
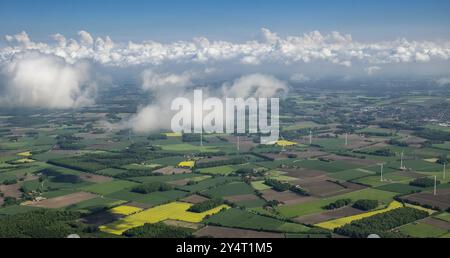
[435, 185]
[444, 172]
[201, 138]
[401, 162]
[381, 172]
[346, 139]
[310, 137]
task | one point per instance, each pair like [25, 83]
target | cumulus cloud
[299, 78]
[33, 79]
[443, 81]
[164, 87]
[255, 85]
[372, 69]
[168, 86]
[334, 48]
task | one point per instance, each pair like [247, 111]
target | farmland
[290, 188]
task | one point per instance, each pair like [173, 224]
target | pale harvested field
[241, 198]
[286, 197]
[194, 199]
[183, 224]
[62, 201]
[322, 188]
[356, 141]
[222, 232]
[245, 143]
[437, 223]
[441, 200]
[11, 190]
[143, 206]
[170, 170]
[303, 173]
[179, 182]
[351, 160]
[328, 215]
[299, 154]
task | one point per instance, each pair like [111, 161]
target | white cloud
[164, 87]
[299, 77]
[443, 81]
[372, 69]
[167, 87]
[33, 79]
[255, 85]
[334, 48]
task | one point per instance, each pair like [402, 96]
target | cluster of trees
[338, 204]
[443, 159]
[424, 182]
[158, 230]
[396, 125]
[157, 136]
[42, 223]
[277, 185]
[243, 172]
[57, 176]
[135, 153]
[397, 143]
[365, 204]
[431, 134]
[206, 205]
[9, 181]
[69, 142]
[381, 223]
[9, 200]
[136, 173]
[284, 186]
[152, 187]
[191, 137]
[380, 134]
[380, 152]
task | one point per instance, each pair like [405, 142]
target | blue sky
[228, 20]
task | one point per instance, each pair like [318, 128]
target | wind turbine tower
[435, 185]
[310, 137]
[381, 173]
[401, 162]
[444, 172]
[346, 139]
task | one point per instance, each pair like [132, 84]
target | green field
[243, 219]
[234, 188]
[108, 187]
[220, 170]
[316, 206]
[422, 230]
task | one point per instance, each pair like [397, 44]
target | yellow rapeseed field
[332, 224]
[125, 210]
[187, 164]
[173, 211]
[24, 154]
[24, 160]
[285, 143]
[173, 134]
[430, 211]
